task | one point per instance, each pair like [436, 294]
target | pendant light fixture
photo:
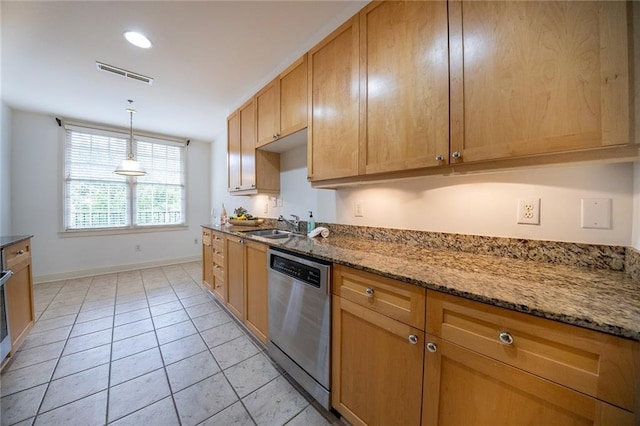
[130, 167]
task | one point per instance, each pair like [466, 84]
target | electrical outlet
[280, 202]
[195, 241]
[358, 210]
[266, 208]
[274, 202]
[529, 211]
[138, 248]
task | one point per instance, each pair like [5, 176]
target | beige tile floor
[145, 347]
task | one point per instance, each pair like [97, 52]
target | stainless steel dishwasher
[300, 320]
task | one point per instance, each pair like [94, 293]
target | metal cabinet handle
[432, 347]
[456, 154]
[506, 338]
[369, 292]
[276, 135]
[439, 157]
[19, 252]
[413, 339]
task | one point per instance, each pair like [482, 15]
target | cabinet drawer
[218, 272]
[206, 237]
[17, 253]
[591, 362]
[395, 299]
[217, 241]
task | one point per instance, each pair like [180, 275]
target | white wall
[479, 204]
[5, 170]
[36, 208]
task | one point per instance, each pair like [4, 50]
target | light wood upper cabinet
[268, 113]
[334, 98]
[293, 97]
[537, 77]
[404, 86]
[282, 104]
[251, 171]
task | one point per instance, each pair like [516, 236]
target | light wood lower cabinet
[207, 259]
[246, 284]
[377, 360]
[462, 387]
[19, 291]
[213, 262]
[490, 365]
[235, 276]
[481, 365]
[256, 290]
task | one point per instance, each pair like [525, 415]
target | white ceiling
[207, 57]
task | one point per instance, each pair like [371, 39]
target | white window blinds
[96, 198]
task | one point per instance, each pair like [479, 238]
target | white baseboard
[112, 269]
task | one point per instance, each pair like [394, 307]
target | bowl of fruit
[242, 217]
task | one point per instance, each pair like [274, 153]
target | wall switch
[138, 248]
[595, 213]
[529, 211]
[195, 241]
[280, 202]
[358, 210]
[274, 201]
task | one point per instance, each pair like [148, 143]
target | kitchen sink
[272, 234]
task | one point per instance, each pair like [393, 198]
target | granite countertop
[597, 299]
[7, 240]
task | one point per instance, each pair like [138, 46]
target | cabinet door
[268, 113]
[376, 371]
[257, 318]
[19, 290]
[235, 276]
[462, 387]
[207, 265]
[233, 151]
[248, 146]
[293, 97]
[334, 98]
[404, 85]
[537, 77]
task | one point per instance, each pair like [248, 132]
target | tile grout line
[35, 417]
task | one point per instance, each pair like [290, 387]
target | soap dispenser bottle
[223, 216]
[311, 223]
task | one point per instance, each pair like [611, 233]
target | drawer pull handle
[506, 338]
[369, 292]
[19, 252]
[432, 347]
[413, 339]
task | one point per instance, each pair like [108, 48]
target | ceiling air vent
[124, 73]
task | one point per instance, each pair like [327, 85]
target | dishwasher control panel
[297, 270]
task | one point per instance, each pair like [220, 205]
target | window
[96, 198]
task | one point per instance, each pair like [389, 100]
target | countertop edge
[581, 321]
[6, 241]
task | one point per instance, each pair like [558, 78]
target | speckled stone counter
[12, 239]
[594, 297]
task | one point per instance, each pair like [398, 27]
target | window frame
[131, 182]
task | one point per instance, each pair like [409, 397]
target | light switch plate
[595, 213]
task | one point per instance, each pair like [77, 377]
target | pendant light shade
[130, 167]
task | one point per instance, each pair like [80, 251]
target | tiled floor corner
[145, 347]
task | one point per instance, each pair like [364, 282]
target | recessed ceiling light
[137, 39]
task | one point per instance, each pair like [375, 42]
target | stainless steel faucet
[293, 223]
